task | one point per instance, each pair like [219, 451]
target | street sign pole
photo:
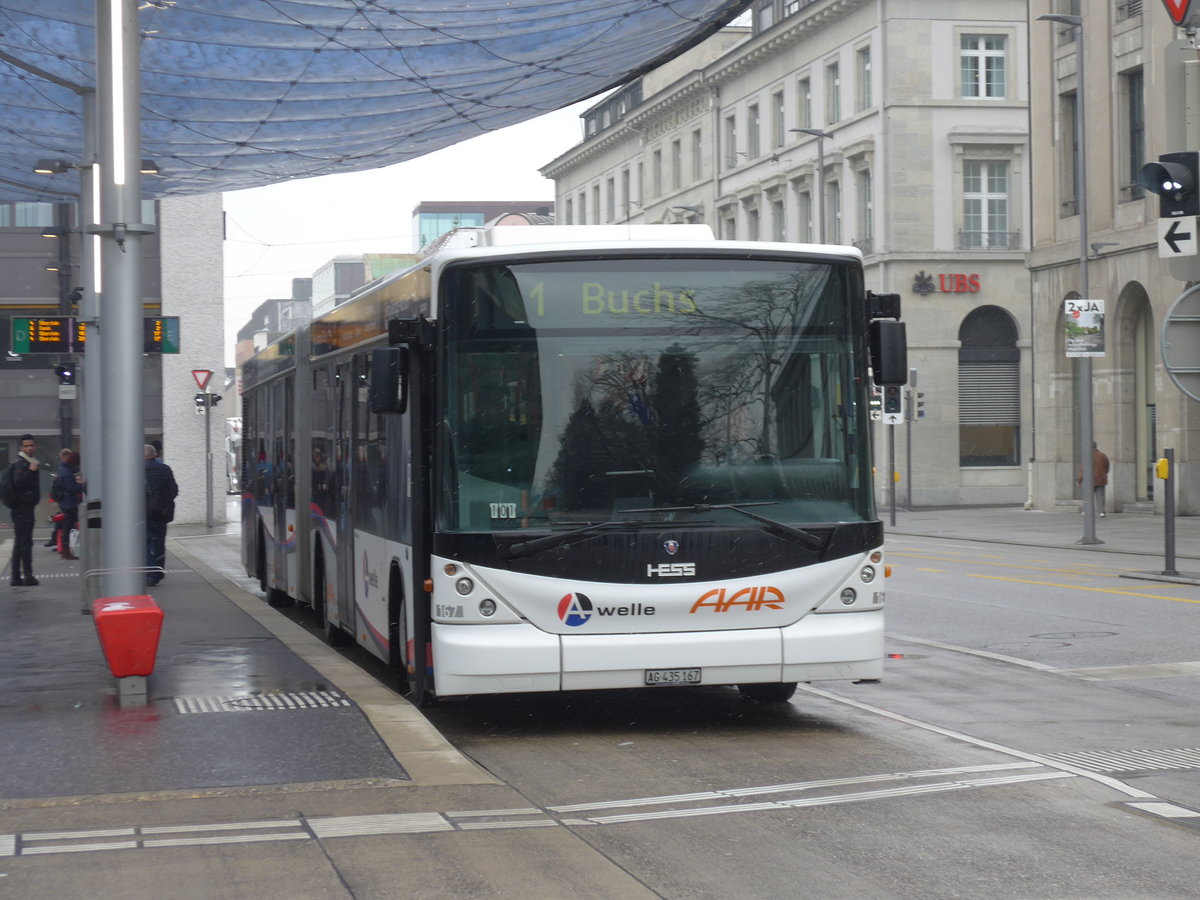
[202, 376]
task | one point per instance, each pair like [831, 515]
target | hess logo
[670, 570]
[751, 599]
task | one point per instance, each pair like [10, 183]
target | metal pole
[821, 191]
[909, 411]
[208, 475]
[90, 411]
[123, 429]
[62, 227]
[1169, 515]
[1086, 430]
[892, 469]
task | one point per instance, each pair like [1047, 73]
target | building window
[778, 122]
[804, 103]
[1068, 181]
[989, 389]
[33, 215]
[806, 217]
[866, 212]
[764, 14]
[862, 99]
[833, 94]
[730, 142]
[676, 165]
[1134, 122]
[595, 204]
[753, 145]
[570, 211]
[626, 196]
[697, 155]
[1128, 9]
[582, 208]
[834, 223]
[610, 196]
[778, 221]
[729, 228]
[752, 224]
[985, 206]
[641, 182]
[657, 173]
[984, 67]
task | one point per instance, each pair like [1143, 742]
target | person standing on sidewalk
[70, 495]
[26, 492]
[1099, 478]
[161, 491]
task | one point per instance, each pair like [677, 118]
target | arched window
[989, 389]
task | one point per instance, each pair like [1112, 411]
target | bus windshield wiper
[799, 535]
[537, 545]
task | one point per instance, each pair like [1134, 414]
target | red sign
[202, 376]
[1178, 10]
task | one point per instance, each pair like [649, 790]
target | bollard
[128, 628]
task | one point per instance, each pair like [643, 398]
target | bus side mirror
[889, 352]
[389, 380]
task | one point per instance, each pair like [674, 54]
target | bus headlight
[464, 586]
[849, 595]
[487, 608]
[867, 574]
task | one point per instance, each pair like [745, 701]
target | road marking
[268, 701]
[1080, 587]
[1127, 673]
[986, 654]
[633, 809]
[1130, 760]
[1168, 810]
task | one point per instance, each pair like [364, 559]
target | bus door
[343, 494]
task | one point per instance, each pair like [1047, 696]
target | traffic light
[1175, 179]
[918, 404]
[201, 403]
[892, 399]
[214, 399]
[876, 403]
[66, 374]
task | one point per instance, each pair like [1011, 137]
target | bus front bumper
[496, 659]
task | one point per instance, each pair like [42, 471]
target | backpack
[8, 488]
[160, 507]
[56, 493]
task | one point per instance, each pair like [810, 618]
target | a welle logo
[577, 609]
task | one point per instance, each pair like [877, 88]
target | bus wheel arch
[768, 693]
[398, 626]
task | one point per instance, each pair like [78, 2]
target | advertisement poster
[1084, 324]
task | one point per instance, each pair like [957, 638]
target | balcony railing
[989, 240]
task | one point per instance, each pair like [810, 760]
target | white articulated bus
[583, 457]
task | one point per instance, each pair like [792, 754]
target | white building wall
[191, 234]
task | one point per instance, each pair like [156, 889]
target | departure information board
[61, 334]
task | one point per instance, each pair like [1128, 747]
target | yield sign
[202, 376]
[1180, 13]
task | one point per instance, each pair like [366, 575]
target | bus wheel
[260, 562]
[768, 693]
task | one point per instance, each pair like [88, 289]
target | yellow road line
[1078, 587]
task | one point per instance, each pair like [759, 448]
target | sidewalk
[307, 714]
[1119, 533]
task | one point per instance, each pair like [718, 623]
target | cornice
[781, 37]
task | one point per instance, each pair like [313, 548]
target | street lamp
[1083, 364]
[820, 136]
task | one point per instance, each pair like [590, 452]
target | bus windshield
[652, 390]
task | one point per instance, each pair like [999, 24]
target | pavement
[246, 709]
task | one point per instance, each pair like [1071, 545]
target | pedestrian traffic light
[1175, 179]
[892, 399]
[66, 374]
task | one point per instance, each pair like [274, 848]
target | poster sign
[1084, 324]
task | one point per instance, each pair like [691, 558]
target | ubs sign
[946, 283]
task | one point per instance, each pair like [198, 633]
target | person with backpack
[22, 490]
[68, 494]
[161, 491]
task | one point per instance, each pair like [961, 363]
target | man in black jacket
[161, 491]
[27, 491]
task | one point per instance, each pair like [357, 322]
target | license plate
[672, 676]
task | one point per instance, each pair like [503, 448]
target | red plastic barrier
[128, 628]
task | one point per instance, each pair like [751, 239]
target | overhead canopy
[241, 93]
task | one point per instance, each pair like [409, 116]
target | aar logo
[575, 609]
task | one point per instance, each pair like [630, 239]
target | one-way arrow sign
[1177, 237]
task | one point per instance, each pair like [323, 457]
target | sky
[289, 230]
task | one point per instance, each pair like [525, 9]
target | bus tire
[398, 628]
[768, 693]
[260, 561]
